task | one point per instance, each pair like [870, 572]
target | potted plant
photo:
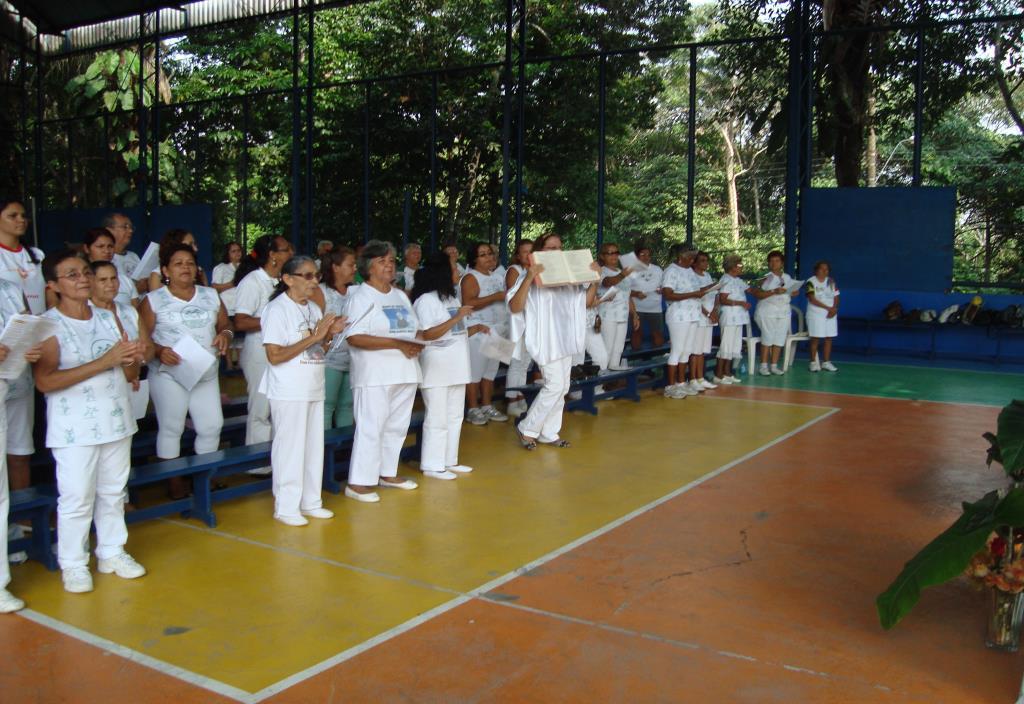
[986, 543]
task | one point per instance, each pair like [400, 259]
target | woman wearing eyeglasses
[296, 335]
[255, 281]
[99, 247]
[617, 310]
[170, 313]
[84, 370]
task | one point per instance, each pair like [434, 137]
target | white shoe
[516, 408]
[575, 395]
[319, 513]
[77, 580]
[260, 472]
[674, 392]
[443, 474]
[459, 469]
[814, 366]
[716, 379]
[368, 498]
[123, 565]
[476, 416]
[707, 384]
[492, 413]
[15, 531]
[9, 602]
[598, 389]
[695, 385]
[404, 485]
[763, 370]
[17, 558]
[725, 380]
[295, 521]
[829, 367]
[776, 371]
[732, 379]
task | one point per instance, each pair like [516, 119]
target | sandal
[527, 442]
[558, 443]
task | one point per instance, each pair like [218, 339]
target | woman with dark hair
[337, 269]
[515, 402]
[550, 321]
[256, 279]
[99, 247]
[822, 315]
[106, 282]
[484, 289]
[172, 312]
[445, 366]
[384, 374]
[84, 371]
[224, 273]
[173, 238]
[296, 334]
[19, 264]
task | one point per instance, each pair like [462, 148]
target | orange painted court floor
[726, 548]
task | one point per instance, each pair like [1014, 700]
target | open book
[560, 268]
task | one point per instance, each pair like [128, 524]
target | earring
[273, 262]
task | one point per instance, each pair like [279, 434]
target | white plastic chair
[751, 342]
[794, 339]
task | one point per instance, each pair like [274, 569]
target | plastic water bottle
[742, 368]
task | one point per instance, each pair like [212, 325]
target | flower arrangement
[994, 567]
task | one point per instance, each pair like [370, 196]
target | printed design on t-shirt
[311, 355]
[100, 347]
[459, 327]
[195, 317]
[399, 319]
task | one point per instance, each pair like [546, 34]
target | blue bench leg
[202, 498]
[631, 387]
[587, 402]
[42, 541]
[331, 482]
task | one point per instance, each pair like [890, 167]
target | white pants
[382, 416]
[254, 363]
[5, 497]
[91, 487]
[21, 413]
[701, 340]
[172, 403]
[518, 370]
[731, 344]
[680, 335]
[614, 336]
[442, 426]
[297, 456]
[594, 344]
[480, 366]
[773, 330]
[544, 419]
[818, 325]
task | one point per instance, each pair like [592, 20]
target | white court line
[244, 697]
[852, 395]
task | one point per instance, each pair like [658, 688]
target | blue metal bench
[37, 503]
[588, 386]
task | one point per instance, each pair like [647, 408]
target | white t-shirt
[12, 303]
[253, 293]
[776, 306]
[681, 280]
[707, 301]
[553, 325]
[408, 278]
[126, 291]
[224, 273]
[494, 313]
[390, 315]
[126, 263]
[825, 292]
[339, 356]
[301, 378]
[129, 319]
[97, 410]
[446, 365]
[647, 281]
[196, 318]
[735, 289]
[615, 310]
[16, 266]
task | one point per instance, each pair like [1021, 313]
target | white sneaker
[15, 531]
[459, 469]
[829, 367]
[476, 416]
[776, 370]
[814, 366]
[716, 379]
[707, 384]
[369, 498]
[695, 386]
[675, 391]
[77, 580]
[9, 602]
[492, 413]
[443, 474]
[763, 370]
[516, 408]
[598, 389]
[123, 565]
[294, 521]
[575, 395]
[725, 380]
[319, 513]
[260, 471]
[732, 379]
[404, 485]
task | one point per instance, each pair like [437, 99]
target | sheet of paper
[497, 347]
[23, 332]
[608, 295]
[195, 361]
[629, 259]
[717, 286]
[795, 286]
[149, 261]
[140, 400]
[561, 268]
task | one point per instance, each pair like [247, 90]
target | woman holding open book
[549, 318]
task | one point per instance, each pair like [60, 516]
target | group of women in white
[322, 351]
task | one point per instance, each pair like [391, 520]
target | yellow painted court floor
[253, 603]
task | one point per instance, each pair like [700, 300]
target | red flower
[998, 546]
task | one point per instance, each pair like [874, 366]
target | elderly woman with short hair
[384, 373]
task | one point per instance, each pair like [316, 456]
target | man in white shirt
[413, 254]
[646, 295]
[120, 226]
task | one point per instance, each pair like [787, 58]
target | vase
[1004, 621]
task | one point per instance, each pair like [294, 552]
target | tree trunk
[732, 196]
[848, 59]
[756, 188]
[872, 150]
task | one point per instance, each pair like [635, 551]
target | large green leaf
[1010, 435]
[110, 100]
[93, 87]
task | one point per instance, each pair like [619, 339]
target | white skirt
[702, 340]
[820, 326]
[773, 330]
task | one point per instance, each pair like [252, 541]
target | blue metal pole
[296, 193]
[506, 134]
[691, 147]
[366, 166]
[918, 106]
[310, 107]
[602, 90]
[521, 126]
[795, 131]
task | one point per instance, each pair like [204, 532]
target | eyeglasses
[612, 251]
[76, 275]
[309, 275]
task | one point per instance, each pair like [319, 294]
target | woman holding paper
[84, 371]
[296, 334]
[255, 281]
[338, 268]
[99, 247]
[551, 322]
[445, 366]
[705, 324]
[772, 314]
[822, 315]
[384, 374]
[484, 289]
[735, 314]
[646, 292]
[515, 402]
[189, 326]
[617, 309]
[683, 291]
